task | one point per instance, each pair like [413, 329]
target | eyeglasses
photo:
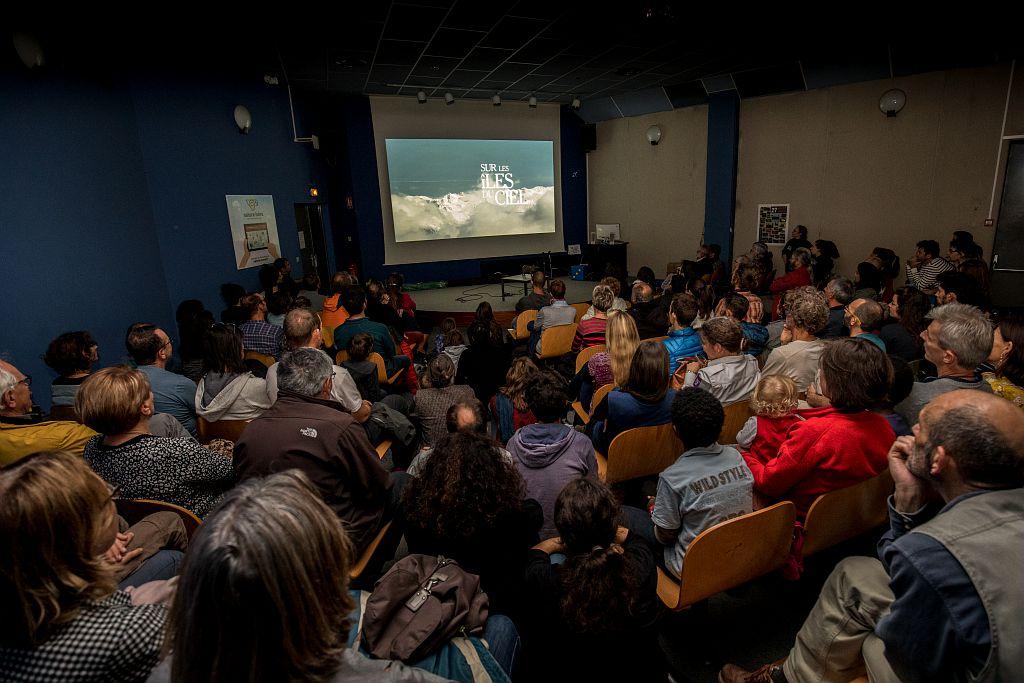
[27, 379]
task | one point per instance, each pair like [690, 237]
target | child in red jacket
[774, 404]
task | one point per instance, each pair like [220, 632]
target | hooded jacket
[226, 397]
[334, 314]
[549, 456]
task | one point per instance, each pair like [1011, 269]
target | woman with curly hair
[907, 320]
[1008, 358]
[468, 504]
[508, 407]
[601, 599]
[806, 314]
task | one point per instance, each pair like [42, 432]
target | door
[312, 242]
[1008, 247]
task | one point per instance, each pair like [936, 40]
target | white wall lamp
[30, 52]
[243, 119]
[892, 102]
[654, 135]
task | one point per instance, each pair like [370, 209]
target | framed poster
[772, 223]
[253, 229]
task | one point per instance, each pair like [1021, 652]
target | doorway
[312, 241]
[1008, 246]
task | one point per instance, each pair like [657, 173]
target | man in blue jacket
[683, 341]
[945, 601]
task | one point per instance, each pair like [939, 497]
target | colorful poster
[772, 223]
[253, 229]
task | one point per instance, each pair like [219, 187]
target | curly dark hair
[464, 487]
[599, 581]
[69, 353]
[913, 306]
[697, 417]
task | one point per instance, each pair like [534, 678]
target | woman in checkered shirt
[63, 620]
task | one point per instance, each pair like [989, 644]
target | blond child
[774, 404]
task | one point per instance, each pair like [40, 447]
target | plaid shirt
[262, 337]
[109, 640]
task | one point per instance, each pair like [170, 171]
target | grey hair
[803, 255]
[299, 325]
[603, 298]
[965, 331]
[842, 290]
[304, 371]
[760, 248]
[642, 292]
[7, 381]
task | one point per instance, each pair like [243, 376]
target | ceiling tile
[475, 14]
[485, 58]
[411, 22]
[513, 32]
[399, 52]
[464, 78]
[450, 42]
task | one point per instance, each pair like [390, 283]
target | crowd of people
[371, 439]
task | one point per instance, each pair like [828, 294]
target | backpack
[419, 605]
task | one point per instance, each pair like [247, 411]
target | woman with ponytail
[601, 599]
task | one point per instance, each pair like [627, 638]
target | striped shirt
[756, 311]
[926, 277]
[589, 333]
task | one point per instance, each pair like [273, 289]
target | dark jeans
[163, 565]
[639, 522]
[399, 362]
[502, 641]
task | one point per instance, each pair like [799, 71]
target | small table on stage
[523, 280]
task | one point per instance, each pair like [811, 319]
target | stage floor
[461, 302]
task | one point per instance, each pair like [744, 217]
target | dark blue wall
[720, 190]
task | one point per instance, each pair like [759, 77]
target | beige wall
[863, 180]
[656, 193]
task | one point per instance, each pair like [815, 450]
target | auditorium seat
[221, 429]
[599, 395]
[360, 565]
[583, 356]
[556, 341]
[267, 361]
[522, 320]
[639, 452]
[840, 515]
[135, 510]
[581, 310]
[736, 415]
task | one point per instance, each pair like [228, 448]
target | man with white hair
[24, 431]
[306, 430]
[957, 341]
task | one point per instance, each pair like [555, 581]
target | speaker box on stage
[588, 137]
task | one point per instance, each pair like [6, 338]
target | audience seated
[726, 373]
[745, 281]
[454, 342]
[708, 484]
[484, 363]
[285, 577]
[868, 281]
[549, 454]
[537, 298]
[508, 409]
[151, 349]
[277, 306]
[774, 406]
[928, 611]
[485, 315]
[797, 240]
[647, 312]
[558, 312]
[610, 366]
[257, 334]
[953, 287]
[64, 620]
[838, 294]
[683, 341]
[306, 430]
[193, 322]
[354, 301]
[464, 416]
[379, 308]
[644, 401]
[334, 314]
[228, 391]
[797, 357]
[755, 336]
[1007, 357]
[902, 385]
[966, 255]
[23, 430]
[117, 402]
[864, 318]
[591, 332]
[956, 342]
[704, 294]
[285, 283]
[71, 356]
[760, 258]
[309, 287]
[601, 599]
[437, 396]
[798, 276]
[232, 294]
[824, 253]
[618, 303]
[837, 445]
[470, 503]
[907, 320]
[924, 268]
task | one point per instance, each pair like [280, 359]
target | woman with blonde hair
[612, 365]
[117, 402]
[63, 617]
[508, 407]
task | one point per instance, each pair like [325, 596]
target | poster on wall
[772, 223]
[253, 229]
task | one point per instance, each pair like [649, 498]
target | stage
[461, 302]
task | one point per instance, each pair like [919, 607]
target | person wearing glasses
[23, 428]
[151, 349]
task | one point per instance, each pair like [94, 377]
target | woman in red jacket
[800, 276]
[840, 444]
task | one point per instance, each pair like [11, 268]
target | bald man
[949, 579]
[24, 431]
[864, 318]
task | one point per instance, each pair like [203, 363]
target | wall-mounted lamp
[654, 135]
[496, 100]
[314, 192]
[243, 119]
[449, 98]
[421, 97]
[30, 52]
[533, 102]
[576, 104]
[892, 102]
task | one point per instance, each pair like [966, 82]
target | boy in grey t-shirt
[708, 484]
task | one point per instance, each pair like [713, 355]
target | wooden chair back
[267, 361]
[221, 429]
[382, 369]
[599, 395]
[135, 510]
[522, 320]
[641, 452]
[736, 415]
[585, 355]
[382, 448]
[360, 564]
[730, 554]
[328, 334]
[656, 339]
[840, 515]
[340, 357]
[556, 341]
[581, 310]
